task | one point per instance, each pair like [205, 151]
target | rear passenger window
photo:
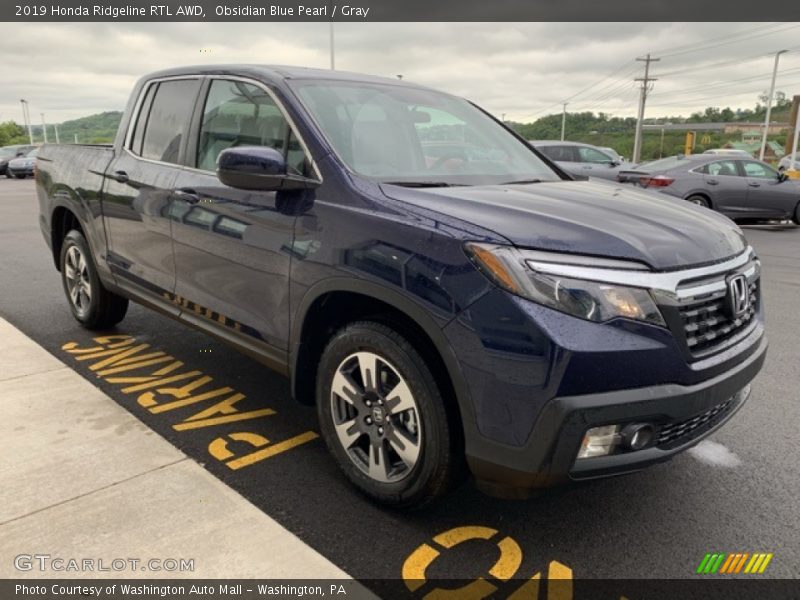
[723, 167]
[557, 153]
[168, 119]
[241, 114]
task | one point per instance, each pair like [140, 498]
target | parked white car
[786, 162]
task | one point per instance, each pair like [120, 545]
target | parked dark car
[743, 189]
[8, 153]
[582, 160]
[487, 306]
[23, 166]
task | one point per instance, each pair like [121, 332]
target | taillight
[657, 181]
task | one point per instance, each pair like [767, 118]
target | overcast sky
[524, 70]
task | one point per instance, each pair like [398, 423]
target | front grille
[679, 432]
[707, 322]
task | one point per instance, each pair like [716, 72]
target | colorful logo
[733, 564]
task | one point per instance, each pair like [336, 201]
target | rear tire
[797, 214]
[699, 201]
[92, 305]
[383, 417]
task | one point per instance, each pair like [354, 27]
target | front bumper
[549, 456]
[27, 171]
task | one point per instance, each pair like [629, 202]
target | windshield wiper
[422, 184]
[521, 181]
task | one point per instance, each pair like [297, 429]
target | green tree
[12, 133]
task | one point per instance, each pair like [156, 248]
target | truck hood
[588, 217]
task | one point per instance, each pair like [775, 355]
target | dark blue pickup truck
[445, 295]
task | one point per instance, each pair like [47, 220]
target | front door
[768, 196]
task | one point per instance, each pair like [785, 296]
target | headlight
[515, 271]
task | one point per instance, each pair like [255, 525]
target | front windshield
[406, 135]
[6, 152]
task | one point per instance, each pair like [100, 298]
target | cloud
[524, 70]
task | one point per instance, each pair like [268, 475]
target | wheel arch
[701, 193]
[334, 302]
[62, 221]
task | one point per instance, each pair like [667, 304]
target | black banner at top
[397, 10]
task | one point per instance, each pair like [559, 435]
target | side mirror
[782, 176]
[259, 168]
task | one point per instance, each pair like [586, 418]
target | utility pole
[645, 89]
[76, 138]
[55, 125]
[769, 105]
[563, 120]
[503, 117]
[333, 60]
[44, 128]
[27, 118]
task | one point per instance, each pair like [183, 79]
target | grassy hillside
[94, 129]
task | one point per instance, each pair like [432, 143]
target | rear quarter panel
[70, 177]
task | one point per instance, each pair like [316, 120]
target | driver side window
[590, 155]
[756, 169]
[242, 114]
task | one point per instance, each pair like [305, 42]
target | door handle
[754, 184]
[120, 176]
[187, 195]
[712, 182]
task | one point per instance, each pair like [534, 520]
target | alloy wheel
[79, 285]
[376, 417]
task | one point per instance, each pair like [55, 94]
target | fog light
[637, 436]
[599, 441]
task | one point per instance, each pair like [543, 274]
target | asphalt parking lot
[735, 493]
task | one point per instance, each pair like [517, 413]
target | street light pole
[333, 60]
[769, 105]
[794, 164]
[44, 128]
[563, 121]
[27, 118]
[55, 126]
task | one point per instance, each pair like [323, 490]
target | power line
[685, 91]
[664, 52]
[637, 141]
[736, 40]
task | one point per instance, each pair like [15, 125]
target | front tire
[383, 417]
[91, 303]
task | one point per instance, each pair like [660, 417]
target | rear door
[233, 247]
[564, 156]
[724, 185]
[138, 191]
[768, 196]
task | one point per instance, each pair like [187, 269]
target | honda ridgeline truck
[444, 294]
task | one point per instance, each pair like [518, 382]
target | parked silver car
[741, 188]
[581, 159]
[786, 162]
[9, 153]
[23, 166]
